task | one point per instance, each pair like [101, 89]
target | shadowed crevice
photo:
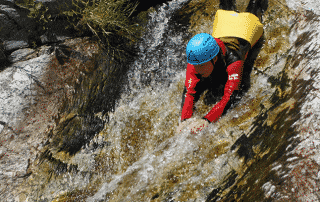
[57, 166]
[77, 132]
[228, 181]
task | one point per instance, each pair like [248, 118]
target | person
[219, 58]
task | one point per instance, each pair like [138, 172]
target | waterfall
[152, 81]
[264, 148]
[155, 163]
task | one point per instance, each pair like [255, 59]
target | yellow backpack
[243, 25]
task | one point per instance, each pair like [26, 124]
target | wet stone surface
[94, 143]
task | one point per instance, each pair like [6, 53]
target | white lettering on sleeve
[233, 77]
[190, 81]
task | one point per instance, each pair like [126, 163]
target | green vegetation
[108, 20]
[37, 11]
[105, 18]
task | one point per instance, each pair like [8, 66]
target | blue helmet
[201, 48]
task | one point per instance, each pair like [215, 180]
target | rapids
[247, 154]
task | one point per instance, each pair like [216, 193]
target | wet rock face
[283, 139]
[33, 89]
[35, 83]
[16, 26]
[21, 54]
[264, 148]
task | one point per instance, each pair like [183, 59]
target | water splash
[162, 51]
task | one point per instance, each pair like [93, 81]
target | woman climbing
[218, 59]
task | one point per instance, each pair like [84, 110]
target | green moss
[37, 11]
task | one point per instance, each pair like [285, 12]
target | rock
[52, 37]
[22, 92]
[7, 1]
[44, 50]
[7, 27]
[20, 54]
[18, 16]
[15, 85]
[12, 33]
[10, 12]
[15, 33]
[1, 129]
[14, 45]
[46, 38]
[2, 152]
[20, 31]
[2, 55]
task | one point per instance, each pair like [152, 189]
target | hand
[185, 123]
[195, 124]
[198, 125]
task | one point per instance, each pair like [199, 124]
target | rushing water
[148, 111]
[247, 156]
[154, 163]
[162, 50]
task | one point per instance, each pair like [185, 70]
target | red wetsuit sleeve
[190, 83]
[234, 78]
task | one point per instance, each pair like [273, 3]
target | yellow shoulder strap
[243, 25]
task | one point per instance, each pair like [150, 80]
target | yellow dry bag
[243, 25]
